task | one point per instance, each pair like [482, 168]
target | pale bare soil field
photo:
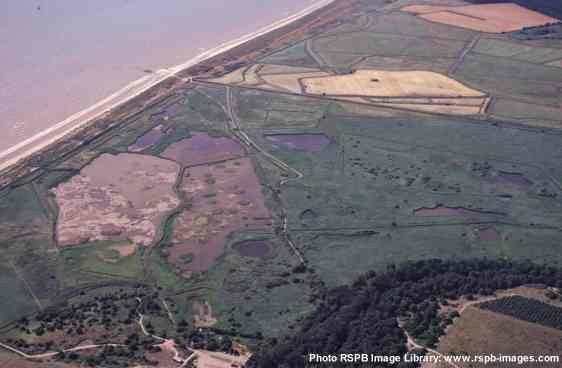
[479, 332]
[209, 359]
[491, 18]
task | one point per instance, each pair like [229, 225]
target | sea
[59, 57]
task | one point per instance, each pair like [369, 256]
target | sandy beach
[57, 131]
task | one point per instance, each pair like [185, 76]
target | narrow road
[27, 286]
[53, 353]
[141, 323]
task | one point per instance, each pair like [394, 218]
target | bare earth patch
[225, 197]
[203, 315]
[125, 250]
[492, 18]
[202, 148]
[116, 197]
[209, 359]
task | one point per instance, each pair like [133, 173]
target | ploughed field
[403, 132]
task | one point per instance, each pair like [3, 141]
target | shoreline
[25, 149]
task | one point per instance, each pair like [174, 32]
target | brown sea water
[61, 56]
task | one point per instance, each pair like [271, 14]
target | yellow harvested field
[481, 332]
[290, 82]
[491, 18]
[379, 83]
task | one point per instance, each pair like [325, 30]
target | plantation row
[529, 310]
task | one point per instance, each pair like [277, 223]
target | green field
[100, 258]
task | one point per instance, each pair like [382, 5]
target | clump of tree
[363, 317]
[208, 339]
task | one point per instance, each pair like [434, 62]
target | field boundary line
[468, 48]
[27, 286]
